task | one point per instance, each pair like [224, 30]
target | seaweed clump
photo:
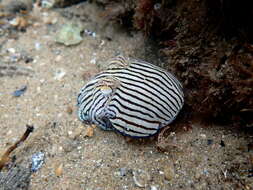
[207, 45]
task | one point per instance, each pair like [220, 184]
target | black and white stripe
[145, 99]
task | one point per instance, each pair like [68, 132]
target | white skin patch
[106, 90]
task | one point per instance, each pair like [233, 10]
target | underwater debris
[17, 177]
[5, 157]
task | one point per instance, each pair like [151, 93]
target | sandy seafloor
[206, 157]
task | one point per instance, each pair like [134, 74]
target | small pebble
[19, 92]
[69, 110]
[209, 141]
[28, 59]
[14, 22]
[123, 171]
[59, 170]
[14, 58]
[37, 46]
[47, 4]
[93, 61]
[77, 132]
[38, 89]
[70, 133]
[79, 148]
[198, 174]
[141, 178]
[89, 132]
[59, 74]
[58, 58]
[99, 162]
[222, 143]
[37, 161]
[9, 132]
[169, 172]
[11, 50]
[90, 33]
[153, 187]
[49, 20]
[57, 52]
[157, 6]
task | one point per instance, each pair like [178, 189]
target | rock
[169, 172]
[59, 170]
[69, 35]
